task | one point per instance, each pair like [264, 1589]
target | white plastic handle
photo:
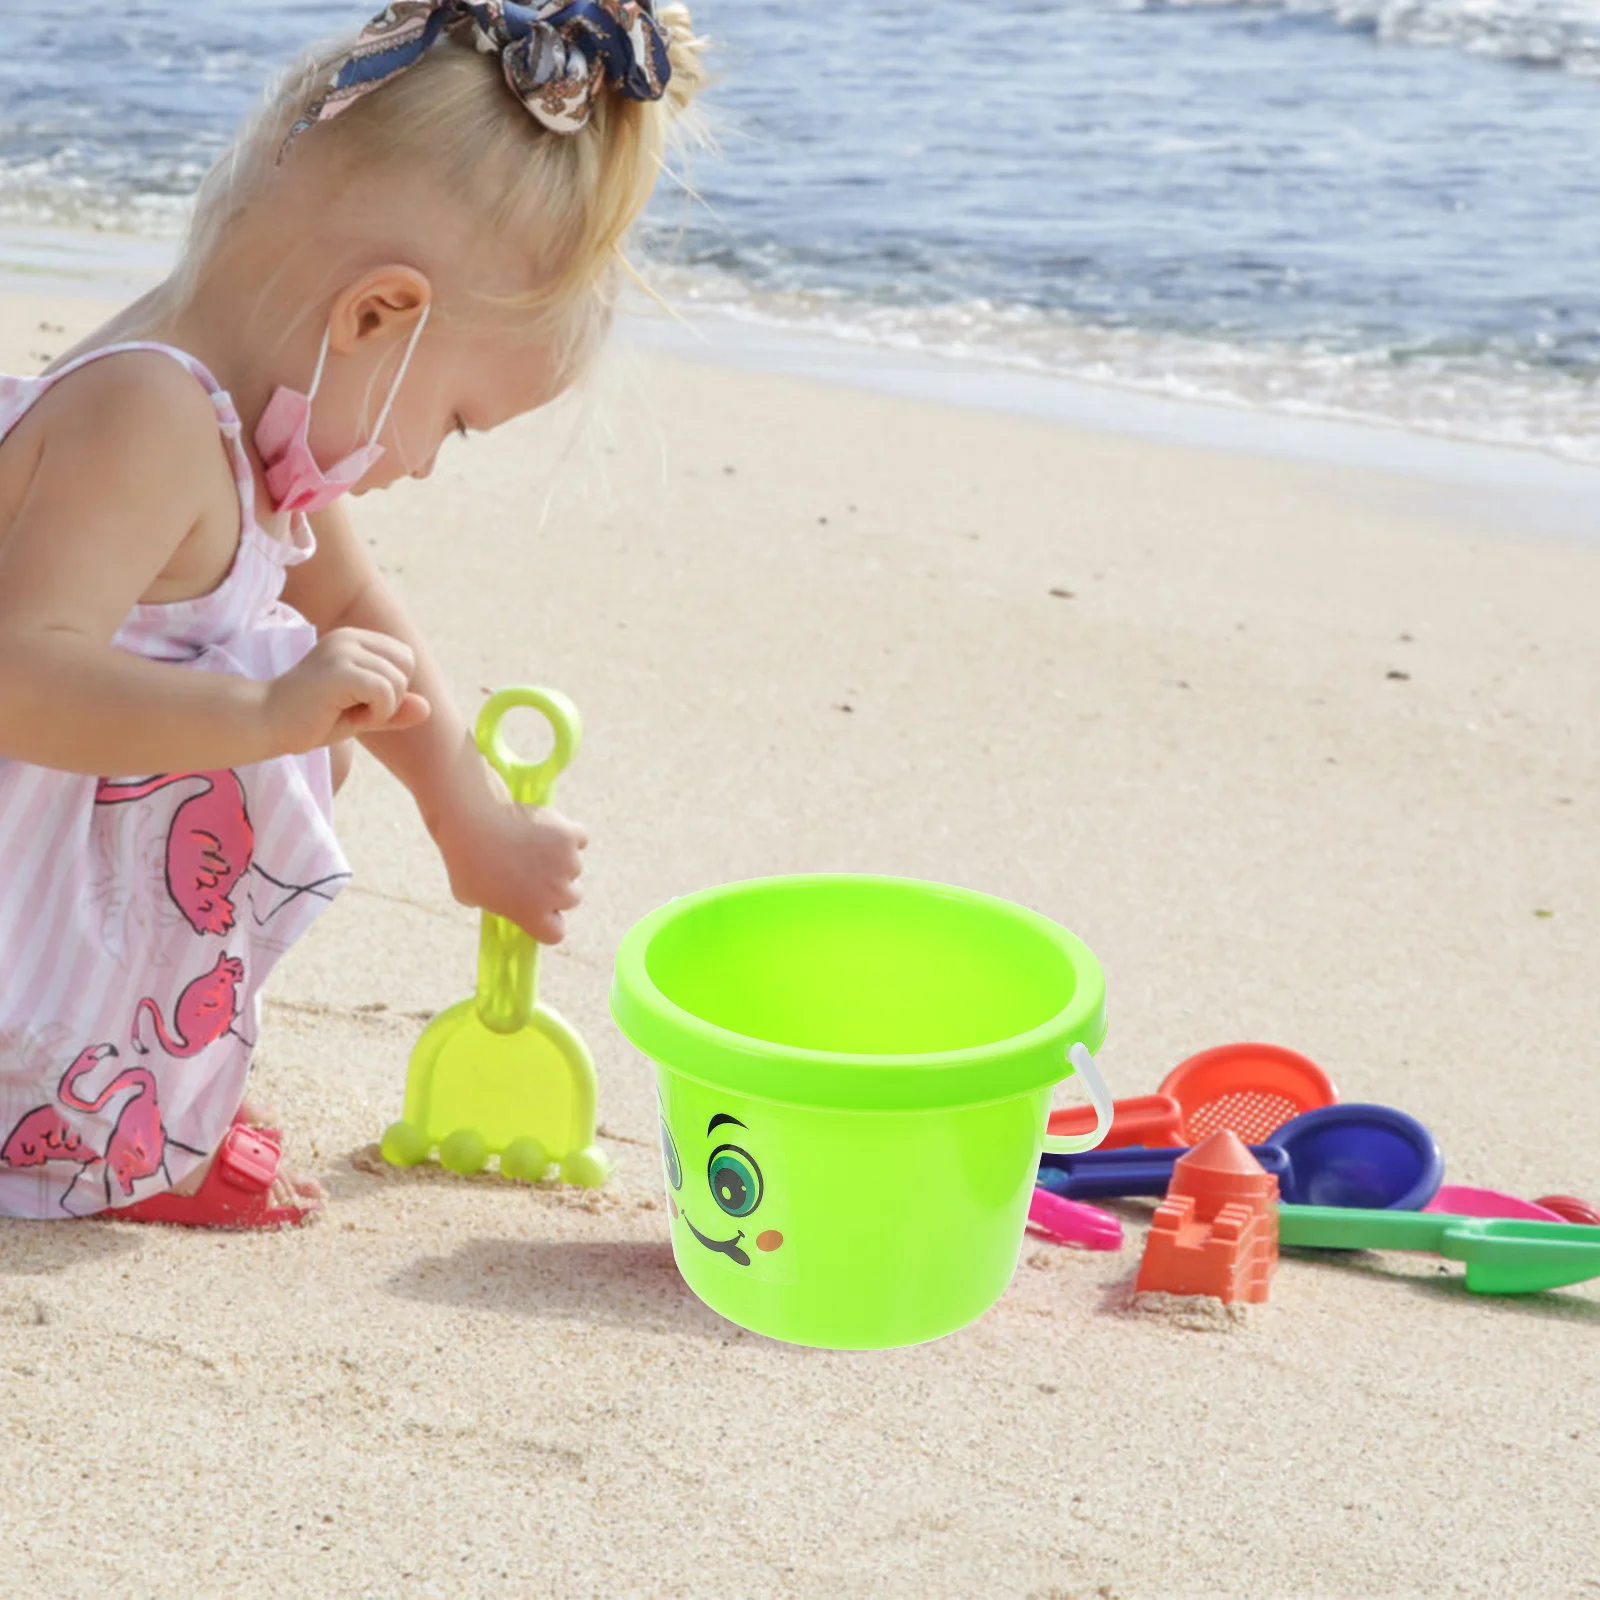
[1058, 1144]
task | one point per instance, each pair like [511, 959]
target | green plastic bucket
[854, 1075]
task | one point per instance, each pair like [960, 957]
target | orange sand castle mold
[1216, 1233]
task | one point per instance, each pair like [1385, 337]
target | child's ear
[382, 302]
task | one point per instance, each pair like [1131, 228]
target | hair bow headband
[557, 55]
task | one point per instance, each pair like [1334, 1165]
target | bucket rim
[853, 1080]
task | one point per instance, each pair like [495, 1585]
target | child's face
[458, 380]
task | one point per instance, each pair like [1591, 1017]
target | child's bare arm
[517, 861]
[341, 586]
[113, 495]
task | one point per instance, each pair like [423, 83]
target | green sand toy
[1503, 1256]
[854, 1075]
[501, 1074]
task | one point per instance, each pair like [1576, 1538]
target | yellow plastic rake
[502, 1074]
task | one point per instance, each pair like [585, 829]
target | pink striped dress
[140, 914]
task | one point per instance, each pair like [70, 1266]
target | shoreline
[1501, 487]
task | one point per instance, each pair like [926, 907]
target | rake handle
[508, 959]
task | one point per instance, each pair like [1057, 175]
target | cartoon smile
[736, 1184]
[727, 1247]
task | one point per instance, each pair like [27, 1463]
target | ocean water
[1378, 209]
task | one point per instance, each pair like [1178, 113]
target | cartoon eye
[735, 1180]
[669, 1156]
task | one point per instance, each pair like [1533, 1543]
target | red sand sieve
[1252, 1089]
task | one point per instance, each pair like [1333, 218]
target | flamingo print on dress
[207, 1009]
[152, 880]
[210, 845]
[138, 1144]
[45, 1135]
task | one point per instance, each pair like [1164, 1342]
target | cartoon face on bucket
[720, 1194]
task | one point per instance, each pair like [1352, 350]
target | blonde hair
[564, 202]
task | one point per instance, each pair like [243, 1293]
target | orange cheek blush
[672, 1205]
[770, 1240]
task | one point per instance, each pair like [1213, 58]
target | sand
[1305, 753]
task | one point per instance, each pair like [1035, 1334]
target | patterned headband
[557, 55]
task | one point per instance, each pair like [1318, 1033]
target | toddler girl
[190, 631]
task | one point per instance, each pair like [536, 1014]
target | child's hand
[352, 682]
[520, 862]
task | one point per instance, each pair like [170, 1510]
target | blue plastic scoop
[1369, 1156]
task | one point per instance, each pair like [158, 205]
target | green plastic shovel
[1502, 1255]
[501, 1074]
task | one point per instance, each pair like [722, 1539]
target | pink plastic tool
[1461, 1200]
[1072, 1222]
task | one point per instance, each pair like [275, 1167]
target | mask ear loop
[399, 377]
[322, 356]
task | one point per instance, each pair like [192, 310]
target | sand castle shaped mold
[1216, 1233]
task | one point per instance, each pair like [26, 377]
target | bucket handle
[1059, 1144]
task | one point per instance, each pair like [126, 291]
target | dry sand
[811, 628]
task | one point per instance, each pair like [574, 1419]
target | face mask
[294, 480]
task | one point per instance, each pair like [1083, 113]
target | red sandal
[271, 1135]
[235, 1193]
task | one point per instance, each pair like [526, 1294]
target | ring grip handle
[1100, 1096]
